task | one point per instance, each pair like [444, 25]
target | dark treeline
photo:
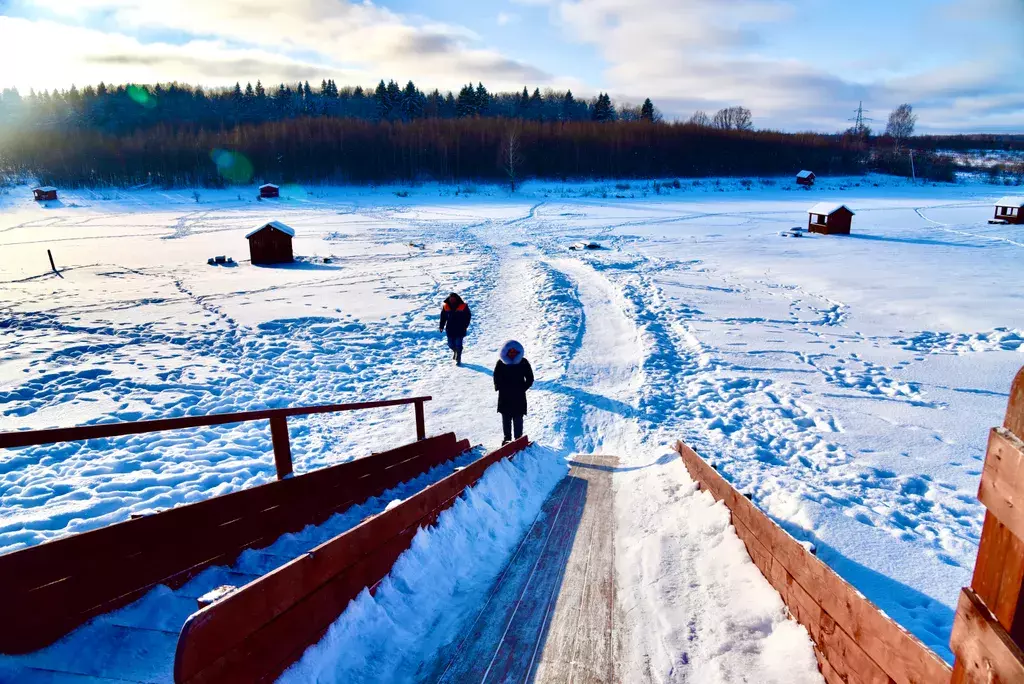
[352, 150]
[963, 143]
[127, 108]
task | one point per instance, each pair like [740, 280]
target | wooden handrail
[277, 417]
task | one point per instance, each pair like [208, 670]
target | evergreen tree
[381, 100]
[602, 108]
[483, 100]
[249, 95]
[465, 104]
[647, 110]
[260, 92]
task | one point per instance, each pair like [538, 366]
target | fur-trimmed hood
[511, 353]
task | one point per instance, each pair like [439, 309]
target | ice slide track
[551, 614]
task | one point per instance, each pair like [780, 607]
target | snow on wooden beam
[257, 632]
[854, 640]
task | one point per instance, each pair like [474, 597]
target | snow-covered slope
[845, 383]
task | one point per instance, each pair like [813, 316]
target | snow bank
[435, 586]
[695, 607]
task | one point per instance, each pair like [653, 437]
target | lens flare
[141, 96]
[232, 166]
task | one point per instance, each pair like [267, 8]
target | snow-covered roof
[827, 208]
[268, 185]
[1010, 201]
[46, 188]
[805, 174]
[274, 224]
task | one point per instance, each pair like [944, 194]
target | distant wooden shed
[268, 190]
[44, 193]
[1010, 210]
[805, 178]
[829, 219]
[271, 243]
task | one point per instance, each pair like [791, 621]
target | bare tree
[901, 124]
[733, 119]
[512, 156]
[700, 118]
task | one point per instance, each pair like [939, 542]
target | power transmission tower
[859, 120]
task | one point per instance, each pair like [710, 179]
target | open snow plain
[845, 383]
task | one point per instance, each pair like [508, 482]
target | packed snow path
[845, 383]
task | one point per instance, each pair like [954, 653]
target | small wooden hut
[829, 218]
[1010, 210]
[44, 193]
[271, 243]
[805, 178]
[269, 190]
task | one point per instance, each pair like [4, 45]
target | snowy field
[846, 383]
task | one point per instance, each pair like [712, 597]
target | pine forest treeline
[128, 108]
[172, 135]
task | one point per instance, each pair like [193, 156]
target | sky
[796, 64]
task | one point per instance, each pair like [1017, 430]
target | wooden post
[421, 429]
[282, 447]
[988, 631]
[52, 266]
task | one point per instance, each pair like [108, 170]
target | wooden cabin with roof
[1009, 210]
[829, 218]
[270, 244]
[44, 193]
[805, 177]
[269, 190]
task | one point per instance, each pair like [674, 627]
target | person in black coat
[455, 315]
[513, 375]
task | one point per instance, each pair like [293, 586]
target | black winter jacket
[511, 383]
[457, 320]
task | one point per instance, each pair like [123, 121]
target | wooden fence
[854, 641]
[278, 427]
[51, 588]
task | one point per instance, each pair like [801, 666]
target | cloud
[286, 40]
[707, 54]
[505, 18]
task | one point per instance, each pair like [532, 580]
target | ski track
[626, 358]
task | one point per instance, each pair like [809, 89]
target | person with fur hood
[513, 375]
[455, 314]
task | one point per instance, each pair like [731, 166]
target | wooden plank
[579, 645]
[550, 616]
[1002, 480]
[1014, 421]
[984, 651]
[231, 639]
[56, 586]
[469, 658]
[868, 641]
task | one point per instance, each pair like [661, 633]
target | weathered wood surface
[854, 640]
[255, 633]
[1002, 480]
[998, 582]
[52, 588]
[551, 614]
[984, 651]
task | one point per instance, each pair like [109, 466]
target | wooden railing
[853, 640]
[988, 631]
[278, 427]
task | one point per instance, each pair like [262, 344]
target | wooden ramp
[550, 615]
